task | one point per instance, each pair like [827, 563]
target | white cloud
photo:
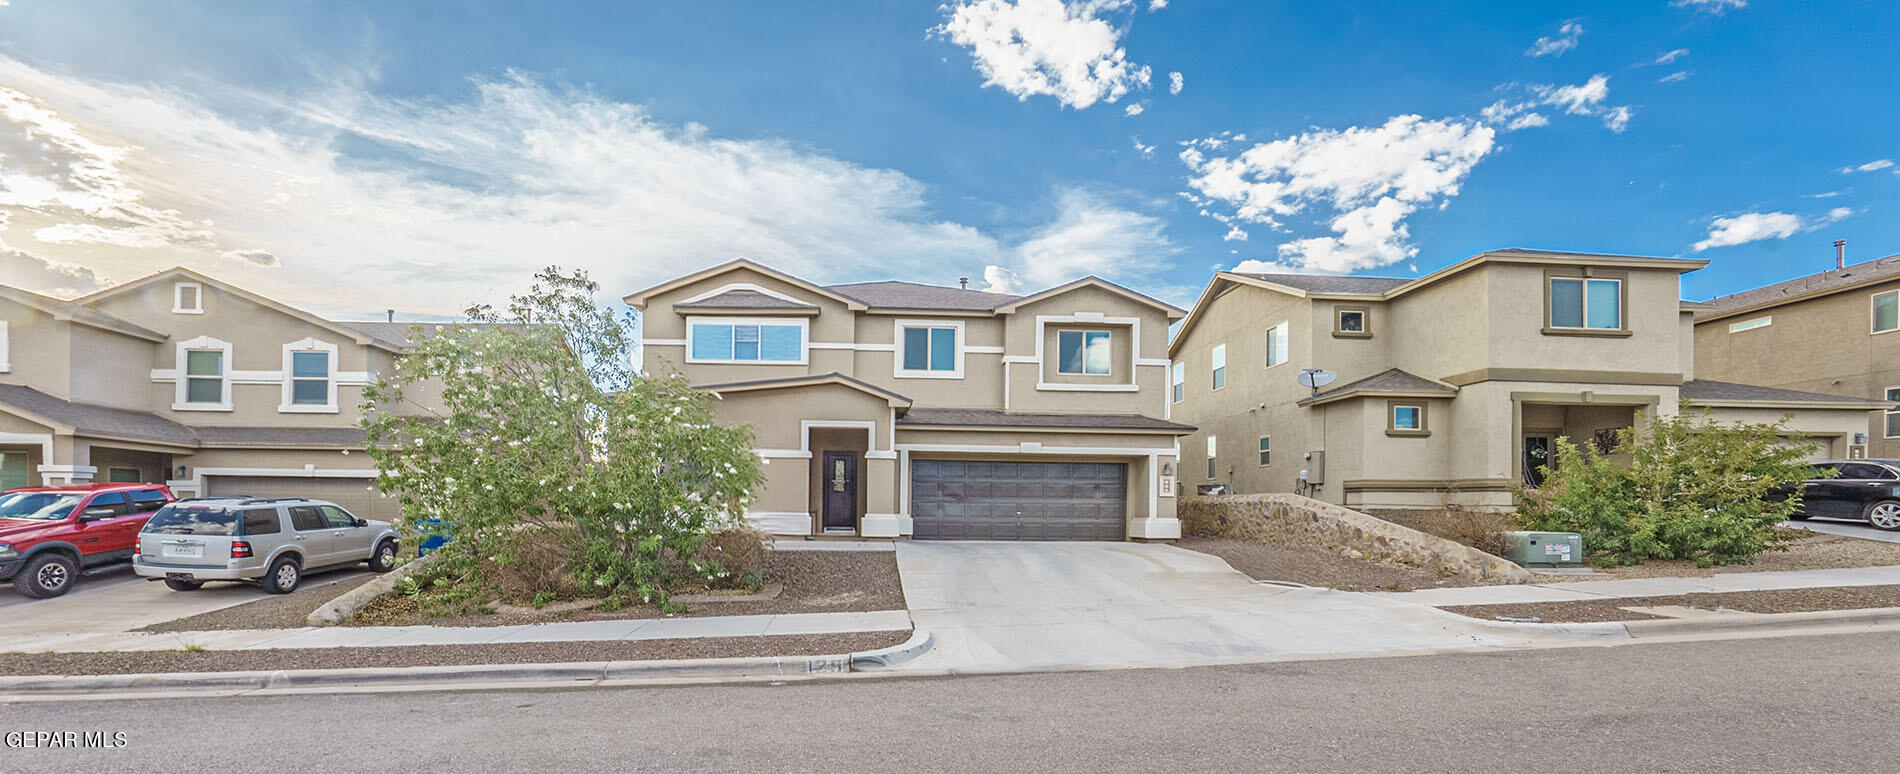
[1175, 82]
[1092, 236]
[1675, 77]
[1047, 47]
[1748, 227]
[1872, 166]
[1670, 57]
[1564, 40]
[1134, 109]
[1235, 234]
[1589, 98]
[1146, 151]
[1156, 5]
[1717, 7]
[1371, 178]
[366, 203]
[1527, 121]
[999, 279]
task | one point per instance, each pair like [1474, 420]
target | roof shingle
[1813, 284]
[1329, 283]
[1711, 390]
[955, 417]
[1389, 380]
[911, 295]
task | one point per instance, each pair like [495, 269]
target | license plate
[186, 550]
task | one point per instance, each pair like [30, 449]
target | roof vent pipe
[1840, 254]
[963, 282]
[392, 315]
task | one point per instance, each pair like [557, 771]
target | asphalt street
[1792, 704]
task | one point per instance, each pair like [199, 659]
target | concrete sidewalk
[1647, 587]
[381, 636]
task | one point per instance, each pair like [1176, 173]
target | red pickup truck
[50, 534]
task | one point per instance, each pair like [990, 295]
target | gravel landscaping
[123, 662]
[1777, 601]
[270, 611]
[1314, 567]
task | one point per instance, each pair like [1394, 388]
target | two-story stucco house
[180, 378]
[1451, 387]
[886, 409]
[1836, 332]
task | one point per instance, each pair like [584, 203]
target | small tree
[531, 425]
[1694, 488]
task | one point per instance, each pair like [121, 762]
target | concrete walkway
[1000, 607]
[1648, 587]
[380, 636]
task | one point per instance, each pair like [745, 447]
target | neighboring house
[1836, 332]
[182, 379]
[883, 409]
[1452, 387]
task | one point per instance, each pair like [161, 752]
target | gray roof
[793, 381]
[1389, 380]
[77, 313]
[1711, 390]
[911, 295]
[994, 418]
[91, 418]
[396, 334]
[1824, 282]
[745, 299]
[1329, 283]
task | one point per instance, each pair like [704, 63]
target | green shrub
[1694, 488]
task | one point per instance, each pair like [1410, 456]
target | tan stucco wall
[38, 349]
[1516, 317]
[775, 415]
[110, 369]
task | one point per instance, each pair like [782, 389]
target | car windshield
[199, 520]
[40, 506]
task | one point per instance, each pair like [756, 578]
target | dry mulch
[121, 662]
[271, 611]
[1776, 601]
[1314, 567]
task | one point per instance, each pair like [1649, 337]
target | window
[337, 518]
[1352, 322]
[1177, 378]
[5, 359]
[1865, 471]
[261, 521]
[1749, 325]
[930, 350]
[746, 341]
[1276, 345]
[1887, 311]
[1893, 415]
[107, 506]
[1210, 456]
[309, 378]
[1266, 456]
[306, 517]
[1082, 352]
[204, 376]
[1220, 366]
[1586, 304]
[188, 298]
[1405, 419]
[148, 500]
[123, 475]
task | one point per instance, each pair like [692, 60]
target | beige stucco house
[887, 409]
[1836, 332]
[180, 378]
[1452, 386]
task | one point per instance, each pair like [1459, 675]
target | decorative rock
[1292, 520]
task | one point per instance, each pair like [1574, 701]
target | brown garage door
[984, 500]
[356, 495]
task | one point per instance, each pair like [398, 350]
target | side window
[1179, 380]
[107, 505]
[261, 521]
[306, 517]
[1864, 471]
[147, 500]
[1219, 356]
[337, 517]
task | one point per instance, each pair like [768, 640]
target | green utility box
[1544, 549]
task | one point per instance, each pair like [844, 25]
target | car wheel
[1884, 515]
[384, 559]
[283, 576]
[47, 575]
[180, 584]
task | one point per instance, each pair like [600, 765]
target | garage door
[356, 495]
[982, 500]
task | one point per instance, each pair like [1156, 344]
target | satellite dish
[1316, 378]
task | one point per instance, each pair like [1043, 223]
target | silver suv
[272, 542]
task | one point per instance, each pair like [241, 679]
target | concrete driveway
[999, 607]
[1854, 529]
[115, 601]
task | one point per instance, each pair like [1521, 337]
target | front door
[840, 480]
[1536, 454]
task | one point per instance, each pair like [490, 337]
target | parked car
[1865, 490]
[268, 541]
[49, 535]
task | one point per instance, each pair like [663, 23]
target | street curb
[1741, 622]
[577, 675]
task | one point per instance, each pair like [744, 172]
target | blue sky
[355, 156]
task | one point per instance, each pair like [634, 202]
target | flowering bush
[531, 424]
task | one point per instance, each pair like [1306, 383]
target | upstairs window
[930, 349]
[1586, 303]
[1893, 415]
[1886, 311]
[204, 376]
[746, 342]
[1178, 380]
[1220, 366]
[1085, 353]
[1749, 325]
[309, 378]
[1266, 453]
[188, 298]
[1276, 345]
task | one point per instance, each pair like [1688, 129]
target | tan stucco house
[1451, 387]
[180, 378]
[888, 409]
[1835, 332]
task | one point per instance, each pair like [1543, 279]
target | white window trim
[178, 298]
[1177, 376]
[1267, 451]
[286, 406]
[1884, 424]
[897, 349]
[804, 338]
[1084, 332]
[1871, 318]
[6, 361]
[1213, 455]
[183, 381]
[1418, 417]
[1222, 368]
[1621, 313]
[1749, 325]
[1285, 329]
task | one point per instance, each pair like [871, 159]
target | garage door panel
[356, 495]
[997, 500]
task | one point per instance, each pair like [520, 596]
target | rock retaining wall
[1292, 520]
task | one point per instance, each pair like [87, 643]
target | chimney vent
[964, 282]
[392, 315]
[1840, 253]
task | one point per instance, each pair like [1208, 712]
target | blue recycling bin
[433, 536]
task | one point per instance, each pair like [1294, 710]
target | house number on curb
[832, 665]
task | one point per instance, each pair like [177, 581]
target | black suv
[1863, 490]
